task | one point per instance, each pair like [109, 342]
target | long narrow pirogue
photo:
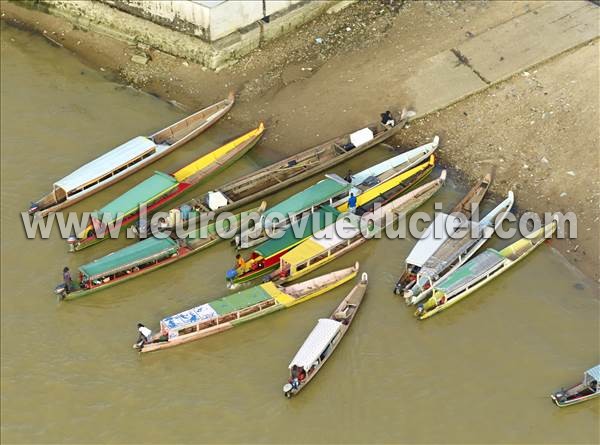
[429, 243]
[456, 250]
[227, 312]
[127, 159]
[161, 188]
[323, 340]
[265, 257]
[296, 168]
[481, 270]
[348, 233]
[366, 185]
[146, 256]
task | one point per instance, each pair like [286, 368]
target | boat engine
[287, 390]
[33, 207]
[61, 291]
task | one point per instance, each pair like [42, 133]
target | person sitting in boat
[144, 337]
[387, 119]
[294, 380]
[240, 263]
[348, 176]
[352, 203]
[68, 282]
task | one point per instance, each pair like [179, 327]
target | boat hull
[181, 189]
[158, 155]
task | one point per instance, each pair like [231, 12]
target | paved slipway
[480, 373]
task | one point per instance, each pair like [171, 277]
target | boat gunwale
[68, 201]
[361, 287]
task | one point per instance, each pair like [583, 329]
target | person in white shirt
[145, 336]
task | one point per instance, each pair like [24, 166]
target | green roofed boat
[160, 189]
[365, 185]
[227, 312]
[144, 257]
[480, 270]
[265, 257]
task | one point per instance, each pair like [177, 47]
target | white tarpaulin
[432, 239]
[315, 343]
[106, 163]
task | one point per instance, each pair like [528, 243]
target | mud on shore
[539, 128]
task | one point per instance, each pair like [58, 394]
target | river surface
[480, 372]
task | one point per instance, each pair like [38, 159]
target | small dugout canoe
[126, 159]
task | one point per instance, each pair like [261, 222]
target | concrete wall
[213, 33]
[209, 20]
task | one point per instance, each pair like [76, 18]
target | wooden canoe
[481, 270]
[324, 339]
[456, 250]
[161, 189]
[465, 207]
[291, 170]
[367, 186]
[127, 159]
[142, 258]
[227, 312]
[347, 234]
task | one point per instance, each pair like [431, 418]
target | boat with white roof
[323, 340]
[126, 159]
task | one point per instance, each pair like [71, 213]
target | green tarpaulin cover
[156, 185]
[314, 222]
[130, 256]
[239, 300]
[314, 195]
[471, 269]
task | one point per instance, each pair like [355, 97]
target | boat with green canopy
[149, 255]
[348, 233]
[366, 185]
[160, 189]
[293, 169]
[265, 257]
[227, 312]
[481, 270]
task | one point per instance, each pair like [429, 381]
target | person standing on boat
[67, 280]
[145, 336]
[352, 203]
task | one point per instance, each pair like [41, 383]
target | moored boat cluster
[336, 216]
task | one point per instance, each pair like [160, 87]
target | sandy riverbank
[539, 128]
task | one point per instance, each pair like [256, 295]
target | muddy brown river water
[480, 372]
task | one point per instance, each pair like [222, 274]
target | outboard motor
[33, 207]
[72, 240]
[287, 390]
[61, 291]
